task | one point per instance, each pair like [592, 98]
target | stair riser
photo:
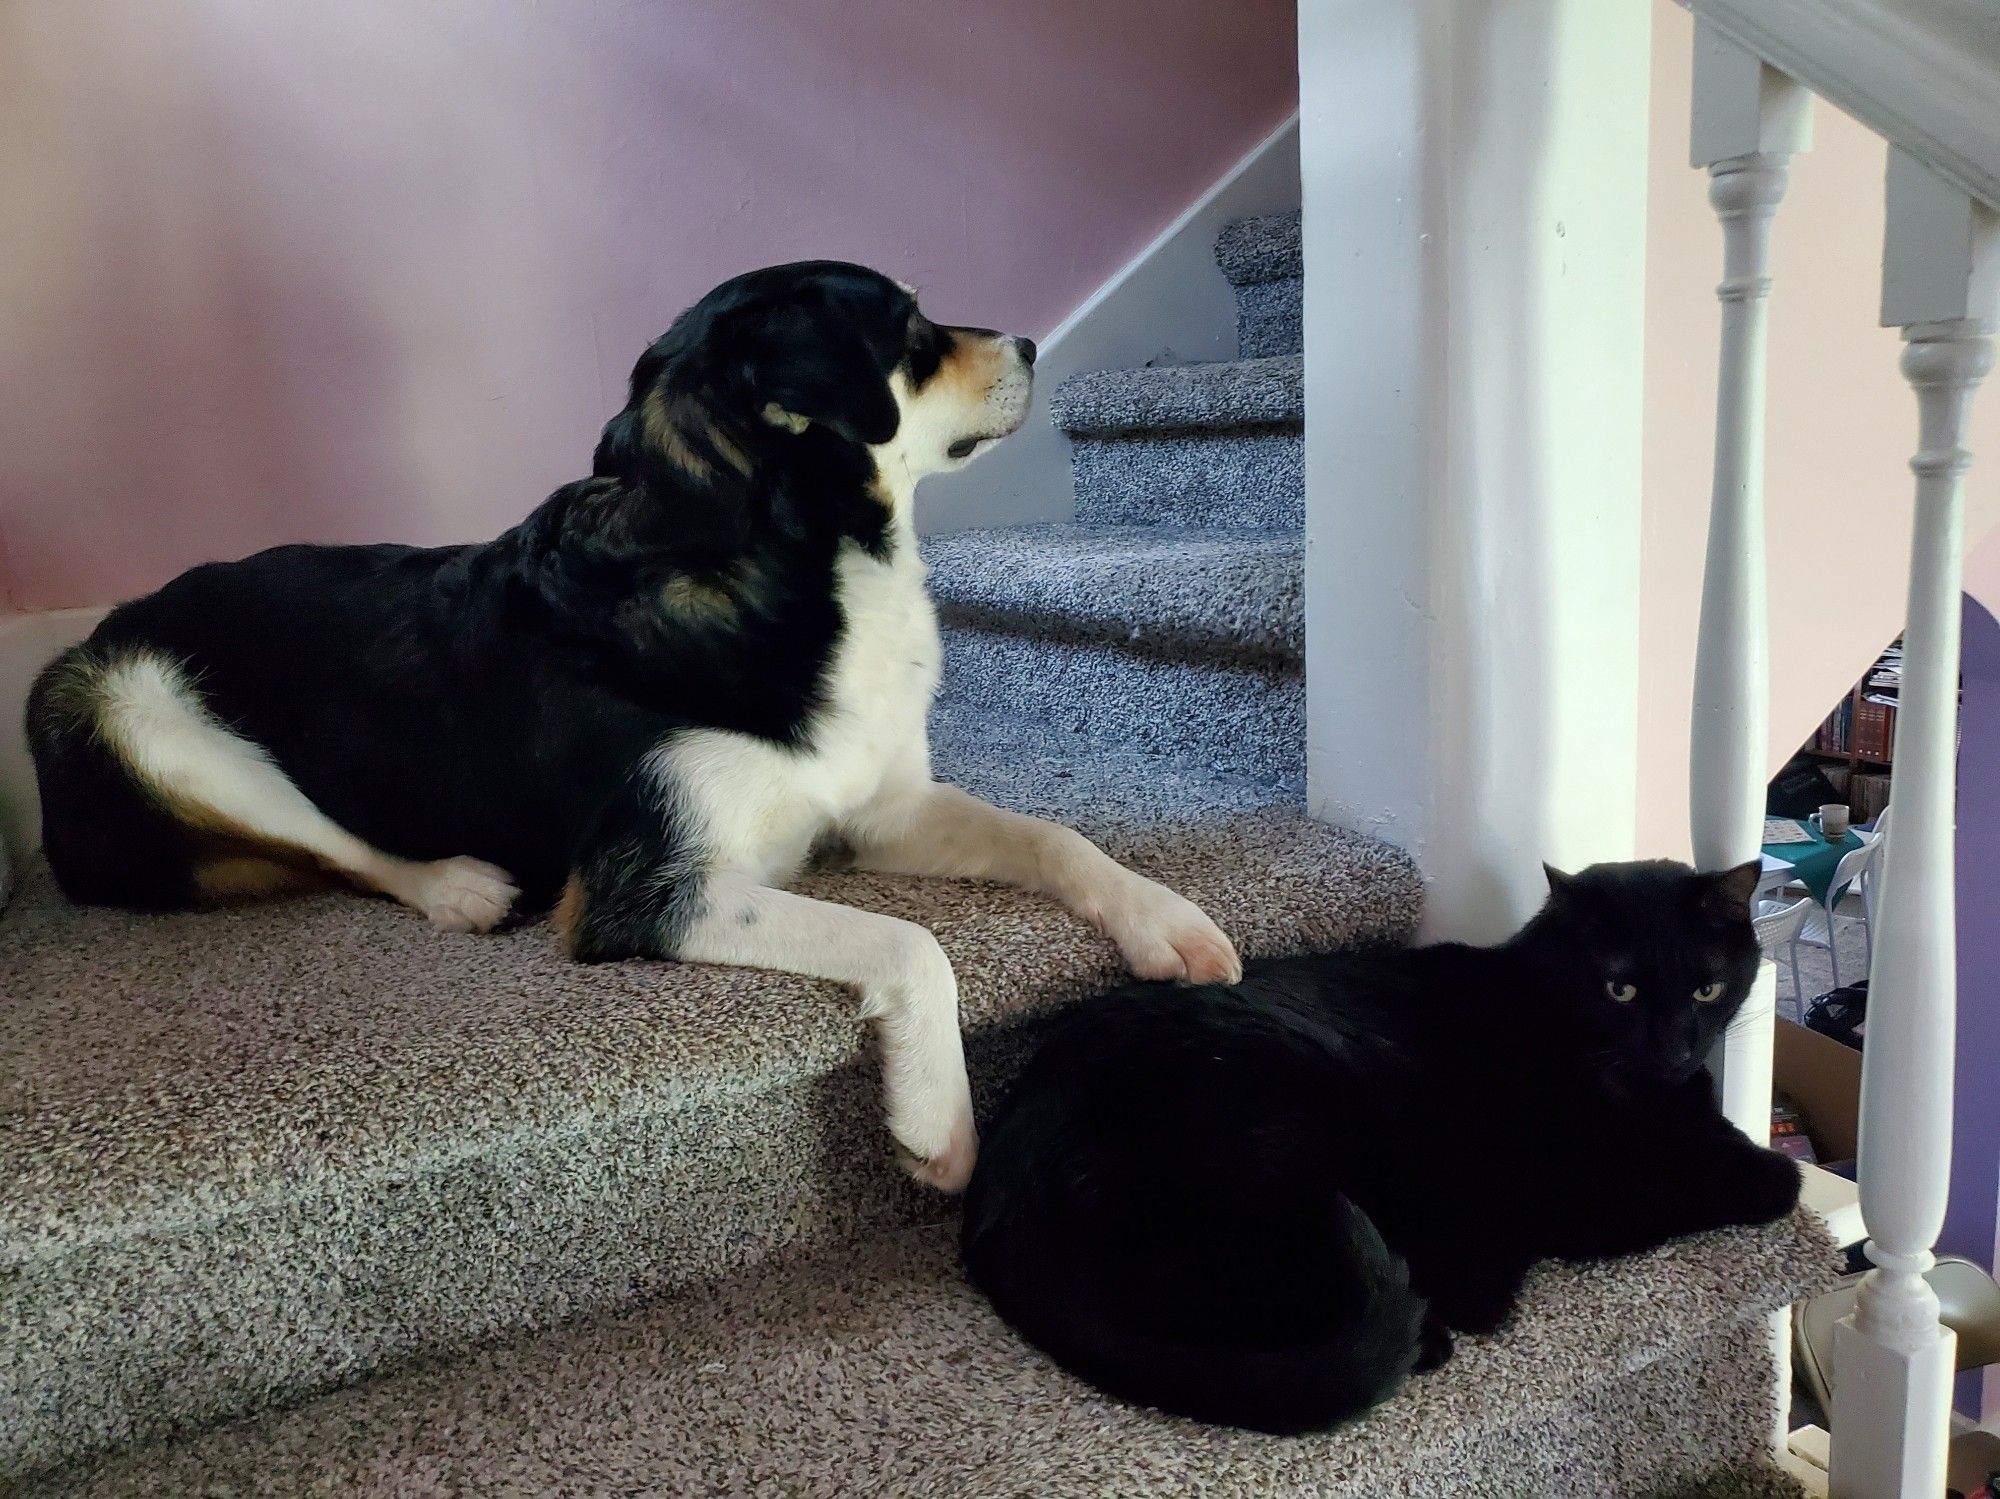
[1239, 719]
[1695, 1424]
[1241, 476]
[1270, 319]
[129, 1342]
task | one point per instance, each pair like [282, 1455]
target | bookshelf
[1858, 739]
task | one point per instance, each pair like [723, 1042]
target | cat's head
[1644, 965]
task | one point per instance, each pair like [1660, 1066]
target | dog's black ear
[677, 467]
[629, 447]
[621, 450]
[799, 379]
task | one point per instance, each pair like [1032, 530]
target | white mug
[1831, 820]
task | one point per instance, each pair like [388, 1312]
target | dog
[641, 709]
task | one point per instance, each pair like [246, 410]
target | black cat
[1266, 1205]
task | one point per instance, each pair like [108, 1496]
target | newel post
[1749, 119]
[1892, 1402]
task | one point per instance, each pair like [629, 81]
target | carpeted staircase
[636, 1229]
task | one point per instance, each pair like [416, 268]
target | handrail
[1922, 74]
[1906, 71]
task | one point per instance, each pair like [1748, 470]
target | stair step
[1247, 477]
[255, 1152]
[876, 1370]
[1265, 265]
[1270, 318]
[1182, 397]
[1202, 445]
[1233, 718]
[1213, 595]
[1264, 249]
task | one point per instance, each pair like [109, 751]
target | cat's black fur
[1266, 1205]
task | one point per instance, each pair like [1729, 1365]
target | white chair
[1778, 924]
[1855, 866]
[1865, 886]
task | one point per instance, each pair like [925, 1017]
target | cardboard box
[1822, 1078]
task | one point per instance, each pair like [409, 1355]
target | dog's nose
[1025, 347]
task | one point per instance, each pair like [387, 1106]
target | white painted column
[1749, 120]
[1474, 177]
[1892, 1397]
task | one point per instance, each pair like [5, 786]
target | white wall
[1474, 180]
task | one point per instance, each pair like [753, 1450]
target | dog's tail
[106, 839]
[1228, 1352]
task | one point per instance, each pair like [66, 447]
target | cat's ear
[1726, 895]
[1561, 886]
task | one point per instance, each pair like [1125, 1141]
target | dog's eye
[1623, 993]
[1708, 994]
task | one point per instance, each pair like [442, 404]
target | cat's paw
[1434, 1345]
[1163, 935]
[1476, 1307]
[1771, 1187]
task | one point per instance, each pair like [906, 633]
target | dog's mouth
[966, 446]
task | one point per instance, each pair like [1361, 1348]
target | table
[1812, 864]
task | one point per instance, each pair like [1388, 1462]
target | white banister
[1748, 121]
[1892, 1400]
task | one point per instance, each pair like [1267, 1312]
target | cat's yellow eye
[1623, 993]
[1708, 994]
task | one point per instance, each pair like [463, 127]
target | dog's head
[808, 363]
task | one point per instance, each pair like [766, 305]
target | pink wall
[1842, 426]
[368, 269]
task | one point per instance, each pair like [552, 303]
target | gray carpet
[1270, 319]
[1206, 595]
[1257, 251]
[1236, 718]
[1237, 393]
[1264, 263]
[876, 1371]
[1232, 478]
[1169, 618]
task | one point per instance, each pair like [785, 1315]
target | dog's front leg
[931, 828]
[646, 889]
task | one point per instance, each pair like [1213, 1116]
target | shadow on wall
[1506, 663]
[1970, 1226]
[354, 269]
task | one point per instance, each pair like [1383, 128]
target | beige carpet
[252, 1153]
[878, 1371]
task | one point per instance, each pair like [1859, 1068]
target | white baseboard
[1169, 305]
[27, 642]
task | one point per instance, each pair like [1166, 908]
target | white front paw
[926, 1095]
[462, 895]
[1166, 936]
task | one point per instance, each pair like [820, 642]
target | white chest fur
[757, 808]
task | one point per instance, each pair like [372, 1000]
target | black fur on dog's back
[483, 700]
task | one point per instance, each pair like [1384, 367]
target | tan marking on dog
[568, 914]
[250, 878]
[698, 600]
[666, 424]
[790, 421]
[972, 365]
